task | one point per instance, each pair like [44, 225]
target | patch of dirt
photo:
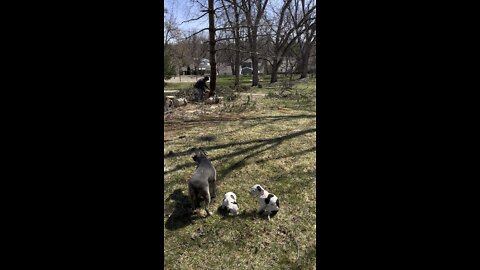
[184, 78]
[195, 113]
[189, 117]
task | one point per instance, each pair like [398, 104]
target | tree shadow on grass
[251, 122]
[312, 149]
[261, 121]
[182, 212]
[181, 215]
[273, 142]
[251, 214]
[243, 161]
[244, 214]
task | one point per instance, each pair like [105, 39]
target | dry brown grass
[268, 146]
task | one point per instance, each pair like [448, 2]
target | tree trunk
[254, 57]
[255, 78]
[237, 68]
[305, 57]
[236, 34]
[213, 63]
[274, 76]
[232, 65]
[275, 66]
[237, 43]
[252, 33]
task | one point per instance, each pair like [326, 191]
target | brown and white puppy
[202, 184]
[269, 203]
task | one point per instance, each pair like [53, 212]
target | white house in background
[224, 69]
[204, 66]
[247, 70]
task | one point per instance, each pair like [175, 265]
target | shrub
[188, 93]
[226, 92]
[242, 88]
[238, 105]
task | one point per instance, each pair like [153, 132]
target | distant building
[224, 69]
[246, 71]
[246, 67]
[204, 66]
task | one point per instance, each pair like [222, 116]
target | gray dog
[202, 185]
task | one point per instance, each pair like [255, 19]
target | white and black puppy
[230, 204]
[269, 203]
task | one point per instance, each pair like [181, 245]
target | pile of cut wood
[171, 102]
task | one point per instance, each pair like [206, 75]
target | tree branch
[228, 38]
[197, 33]
[194, 19]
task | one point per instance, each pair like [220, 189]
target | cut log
[177, 102]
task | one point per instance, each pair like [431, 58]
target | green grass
[228, 80]
[179, 85]
[272, 145]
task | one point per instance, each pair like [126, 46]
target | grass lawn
[178, 85]
[227, 80]
[271, 144]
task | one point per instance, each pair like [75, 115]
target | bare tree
[170, 28]
[306, 33]
[211, 30]
[210, 10]
[190, 51]
[290, 25]
[235, 25]
[281, 36]
[253, 10]
[171, 32]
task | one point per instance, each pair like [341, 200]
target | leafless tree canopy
[272, 33]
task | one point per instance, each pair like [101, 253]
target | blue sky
[184, 10]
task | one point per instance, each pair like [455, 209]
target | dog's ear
[259, 188]
[203, 151]
[194, 156]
